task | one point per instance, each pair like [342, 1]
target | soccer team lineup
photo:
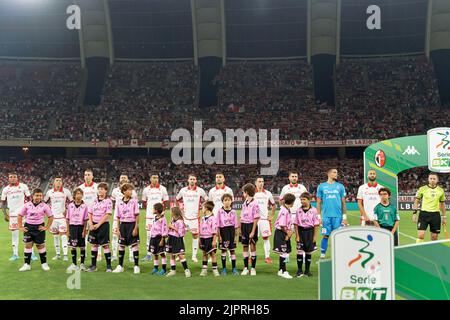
[104, 224]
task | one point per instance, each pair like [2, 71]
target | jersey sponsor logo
[411, 151]
[380, 158]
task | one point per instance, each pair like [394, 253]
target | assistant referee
[432, 205]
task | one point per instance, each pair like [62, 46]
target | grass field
[38, 284]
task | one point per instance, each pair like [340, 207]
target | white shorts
[293, 217]
[264, 228]
[13, 225]
[149, 223]
[115, 228]
[59, 225]
[193, 225]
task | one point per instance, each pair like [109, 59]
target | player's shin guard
[300, 262]
[233, 260]
[107, 252]
[184, 263]
[73, 251]
[115, 244]
[64, 243]
[15, 242]
[245, 255]
[82, 255]
[307, 262]
[324, 245]
[56, 239]
[43, 255]
[27, 255]
[156, 262]
[214, 265]
[223, 257]
[136, 255]
[94, 253]
[283, 262]
[194, 248]
[163, 263]
[121, 256]
[254, 259]
[172, 264]
[266, 248]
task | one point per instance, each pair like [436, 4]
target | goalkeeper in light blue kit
[330, 207]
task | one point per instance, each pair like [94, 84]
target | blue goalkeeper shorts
[330, 224]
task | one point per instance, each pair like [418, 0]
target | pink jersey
[159, 227]
[180, 228]
[127, 212]
[306, 219]
[35, 213]
[227, 219]
[208, 226]
[284, 219]
[250, 211]
[77, 215]
[100, 208]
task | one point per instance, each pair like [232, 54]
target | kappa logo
[411, 151]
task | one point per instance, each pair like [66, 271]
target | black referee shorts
[432, 219]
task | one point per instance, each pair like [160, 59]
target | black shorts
[34, 234]
[154, 246]
[280, 244]
[76, 238]
[175, 245]
[306, 243]
[246, 229]
[227, 235]
[206, 245]
[100, 236]
[126, 234]
[429, 218]
[395, 234]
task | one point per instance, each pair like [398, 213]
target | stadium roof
[254, 28]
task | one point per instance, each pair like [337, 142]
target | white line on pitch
[407, 235]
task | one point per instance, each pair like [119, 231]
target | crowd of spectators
[30, 173]
[375, 99]
[32, 93]
[143, 101]
[410, 179]
[403, 83]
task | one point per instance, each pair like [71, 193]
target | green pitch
[37, 284]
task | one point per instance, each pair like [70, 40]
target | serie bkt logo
[442, 148]
[365, 288]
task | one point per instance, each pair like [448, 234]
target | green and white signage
[362, 264]
[438, 140]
